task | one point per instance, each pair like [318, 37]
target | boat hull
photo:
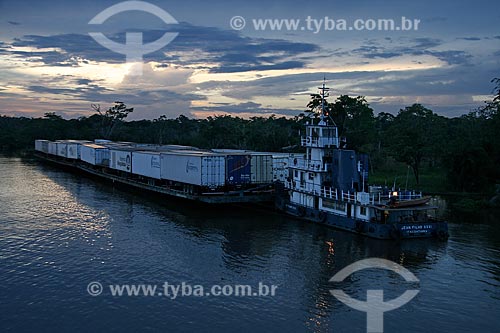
[395, 231]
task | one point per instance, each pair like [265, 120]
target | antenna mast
[324, 93]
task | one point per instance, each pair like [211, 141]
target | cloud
[242, 68]
[417, 47]
[225, 51]
[242, 109]
[469, 38]
[426, 42]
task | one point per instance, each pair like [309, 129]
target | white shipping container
[120, 159]
[52, 148]
[147, 164]
[196, 169]
[280, 167]
[72, 150]
[45, 146]
[231, 151]
[62, 149]
[42, 146]
[261, 168]
[94, 154]
[102, 141]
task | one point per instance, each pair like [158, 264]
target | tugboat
[329, 185]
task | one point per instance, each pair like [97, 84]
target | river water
[60, 231]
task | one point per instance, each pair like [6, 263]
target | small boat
[410, 203]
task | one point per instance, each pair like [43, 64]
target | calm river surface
[60, 231]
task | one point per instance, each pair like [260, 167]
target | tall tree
[354, 119]
[413, 136]
[111, 117]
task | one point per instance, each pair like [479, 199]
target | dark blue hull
[395, 231]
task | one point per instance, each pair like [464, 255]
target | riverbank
[434, 181]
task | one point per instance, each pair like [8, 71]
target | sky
[215, 66]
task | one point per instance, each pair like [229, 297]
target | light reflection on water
[59, 231]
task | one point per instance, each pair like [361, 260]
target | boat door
[316, 202]
[349, 210]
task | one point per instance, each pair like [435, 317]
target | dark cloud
[227, 49]
[469, 38]
[13, 23]
[419, 47]
[246, 68]
[57, 91]
[243, 108]
[83, 81]
[452, 57]
[426, 43]
[93, 91]
[73, 47]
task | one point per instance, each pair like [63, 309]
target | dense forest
[463, 153]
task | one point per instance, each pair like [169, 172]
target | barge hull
[243, 196]
[395, 231]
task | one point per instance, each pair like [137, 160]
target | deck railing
[364, 198]
[313, 141]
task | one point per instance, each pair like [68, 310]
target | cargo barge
[212, 177]
[329, 185]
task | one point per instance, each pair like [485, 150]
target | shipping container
[52, 148]
[45, 146]
[42, 146]
[231, 151]
[191, 152]
[280, 167]
[145, 163]
[100, 141]
[176, 147]
[94, 154]
[197, 169]
[261, 168]
[238, 169]
[62, 149]
[120, 158]
[72, 150]
[167, 148]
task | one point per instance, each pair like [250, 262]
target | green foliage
[473, 155]
[111, 117]
[355, 120]
[414, 135]
[353, 117]
[458, 154]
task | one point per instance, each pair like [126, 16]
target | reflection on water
[59, 231]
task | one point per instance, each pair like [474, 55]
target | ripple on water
[60, 231]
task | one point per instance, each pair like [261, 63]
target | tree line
[465, 147]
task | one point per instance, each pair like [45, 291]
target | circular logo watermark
[133, 49]
[374, 305]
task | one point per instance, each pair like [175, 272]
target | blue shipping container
[238, 169]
